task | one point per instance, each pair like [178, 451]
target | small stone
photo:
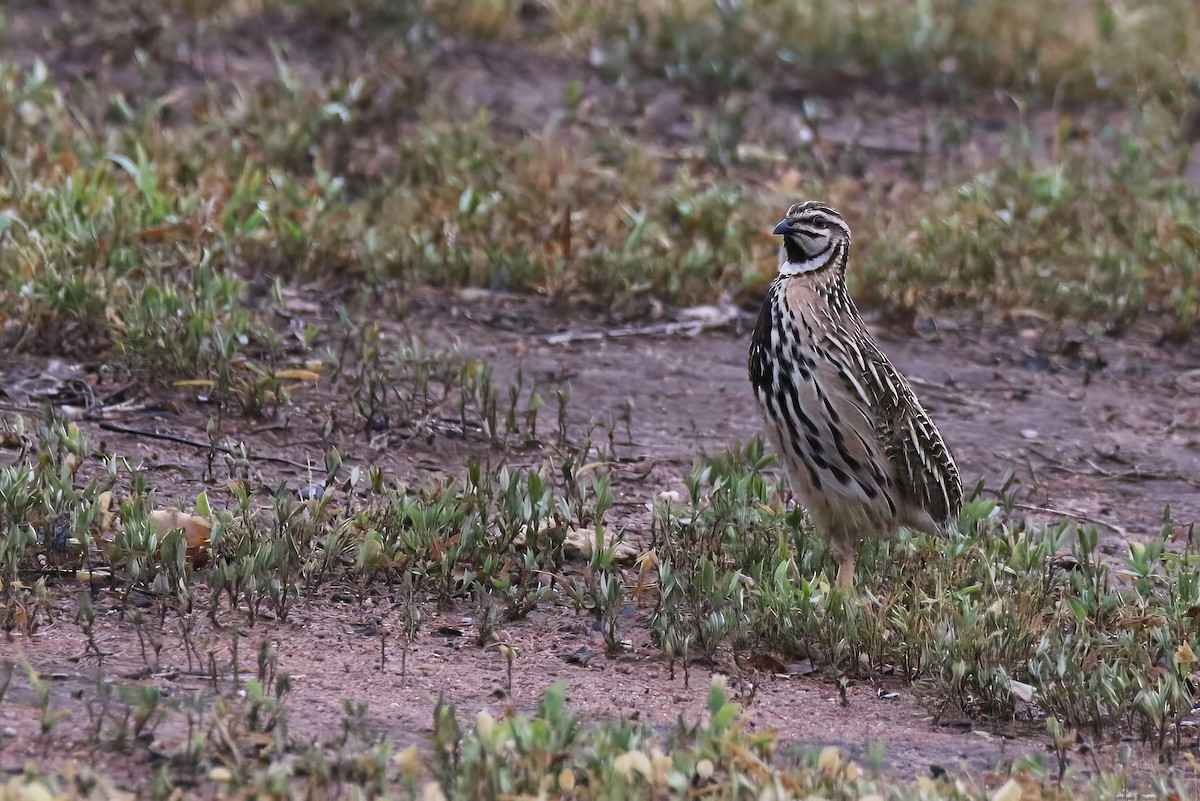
[580, 656]
[311, 491]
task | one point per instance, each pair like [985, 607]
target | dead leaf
[107, 517]
[581, 542]
[298, 375]
[161, 232]
[1022, 690]
[767, 663]
[646, 562]
[113, 318]
[197, 531]
[1009, 791]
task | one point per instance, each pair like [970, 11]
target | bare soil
[1101, 428]
[1105, 429]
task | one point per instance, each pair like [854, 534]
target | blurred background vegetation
[162, 159]
[233, 195]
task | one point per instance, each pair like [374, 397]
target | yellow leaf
[195, 382]
[107, 516]
[1009, 791]
[485, 724]
[1185, 653]
[35, 792]
[298, 375]
[408, 759]
[196, 529]
[632, 762]
[829, 760]
[432, 791]
[166, 520]
[111, 315]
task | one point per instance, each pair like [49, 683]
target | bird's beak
[788, 226]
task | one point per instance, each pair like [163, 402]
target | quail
[862, 455]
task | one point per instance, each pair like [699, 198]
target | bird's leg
[845, 574]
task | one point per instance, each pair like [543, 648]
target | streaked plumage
[863, 456]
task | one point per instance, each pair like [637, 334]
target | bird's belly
[836, 511]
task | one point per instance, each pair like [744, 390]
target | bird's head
[814, 237]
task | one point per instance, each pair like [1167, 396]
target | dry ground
[1103, 429]
[1097, 427]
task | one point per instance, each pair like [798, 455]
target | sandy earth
[1109, 428]
[1088, 425]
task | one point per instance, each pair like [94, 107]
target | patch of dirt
[1092, 426]
[1108, 429]
[1105, 428]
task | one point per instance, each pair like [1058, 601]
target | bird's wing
[925, 473]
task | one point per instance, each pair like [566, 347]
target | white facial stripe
[808, 265]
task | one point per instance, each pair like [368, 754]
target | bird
[862, 455]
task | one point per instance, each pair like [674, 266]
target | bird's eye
[822, 224]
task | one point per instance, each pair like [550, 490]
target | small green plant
[978, 615]
[48, 715]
